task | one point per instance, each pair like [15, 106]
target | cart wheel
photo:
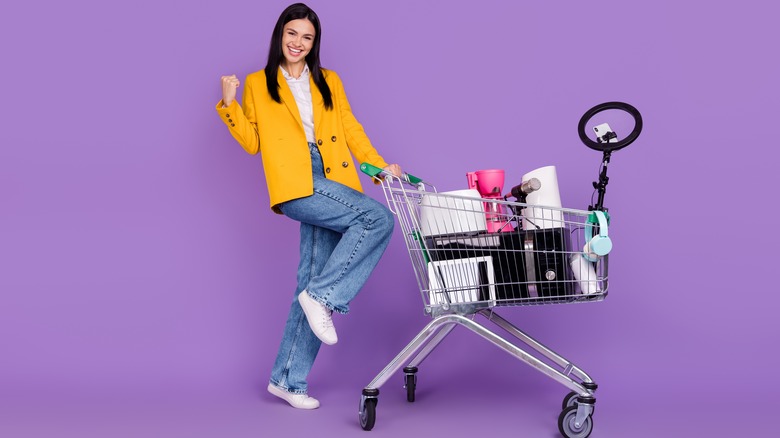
[368, 414]
[568, 429]
[410, 385]
[569, 400]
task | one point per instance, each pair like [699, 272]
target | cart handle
[374, 172]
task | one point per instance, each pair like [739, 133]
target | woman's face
[297, 40]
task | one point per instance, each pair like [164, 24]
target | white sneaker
[319, 318]
[300, 401]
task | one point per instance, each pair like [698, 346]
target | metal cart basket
[538, 257]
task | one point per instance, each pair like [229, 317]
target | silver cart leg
[430, 346]
[520, 354]
[580, 398]
[429, 337]
[493, 338]
[410, 371]
[421, 340]
[568, 367]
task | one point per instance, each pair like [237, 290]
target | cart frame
[449, 308]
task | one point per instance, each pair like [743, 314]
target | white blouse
[302, 94]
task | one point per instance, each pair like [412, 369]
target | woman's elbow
[252, 150]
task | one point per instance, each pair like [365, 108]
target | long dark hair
[275, 55]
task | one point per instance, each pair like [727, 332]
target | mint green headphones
[599, 245]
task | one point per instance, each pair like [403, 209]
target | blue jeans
[343, 235]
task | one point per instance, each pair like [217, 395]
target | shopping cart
[539, 257]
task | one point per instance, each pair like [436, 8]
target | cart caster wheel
[368, 415]
[411, 385]
[569, 400]
[567, 427]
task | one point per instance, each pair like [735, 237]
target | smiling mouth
[294, 51]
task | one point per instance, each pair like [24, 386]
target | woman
[291, 103]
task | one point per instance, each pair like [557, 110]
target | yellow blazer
[276, 131]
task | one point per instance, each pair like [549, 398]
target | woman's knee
[382, 220]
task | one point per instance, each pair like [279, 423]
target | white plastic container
[585, 274]
[548, 198]
[452, 213]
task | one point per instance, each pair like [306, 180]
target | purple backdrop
[144, 282]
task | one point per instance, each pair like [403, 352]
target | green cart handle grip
[374, 172]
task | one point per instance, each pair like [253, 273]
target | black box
[527, 264]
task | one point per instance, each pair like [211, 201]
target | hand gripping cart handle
[540, 255]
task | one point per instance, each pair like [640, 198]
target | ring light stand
[606, 147]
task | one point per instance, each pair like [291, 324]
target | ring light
[604, 146]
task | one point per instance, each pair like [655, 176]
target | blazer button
[344, 164]
[232, 124]
[227, 115]
[319, 142]
[333, 139]
[327, 170]
[230, 120]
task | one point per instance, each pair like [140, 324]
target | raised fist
[229, 86]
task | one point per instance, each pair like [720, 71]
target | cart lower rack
[539, 255]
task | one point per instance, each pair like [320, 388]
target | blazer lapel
[317, 104]
[287, 98]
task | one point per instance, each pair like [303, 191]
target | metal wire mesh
[536, 258]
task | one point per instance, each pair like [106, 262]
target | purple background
[144, 282]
